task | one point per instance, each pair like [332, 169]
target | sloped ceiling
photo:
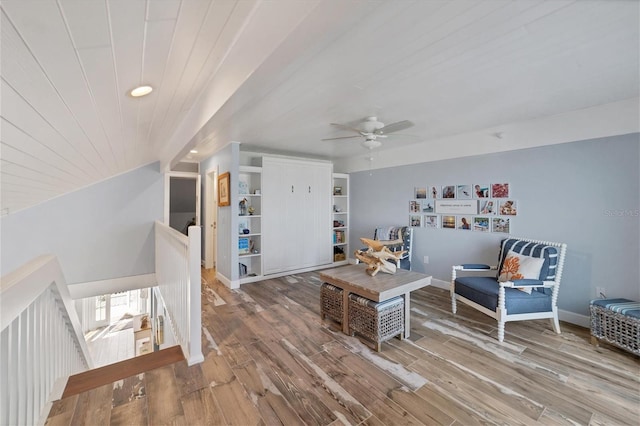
[274, 74]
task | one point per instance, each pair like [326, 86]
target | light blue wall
[225, 160]
[100, 232]
[585, 194]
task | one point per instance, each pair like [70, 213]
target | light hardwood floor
[270, 360]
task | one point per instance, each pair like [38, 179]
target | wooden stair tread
[97, 377]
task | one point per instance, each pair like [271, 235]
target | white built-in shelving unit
[340, 215]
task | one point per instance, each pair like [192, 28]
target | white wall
[585, 194]
[99, 232]
[225, 160]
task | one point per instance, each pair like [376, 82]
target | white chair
[512, 296]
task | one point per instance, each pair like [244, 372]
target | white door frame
[167, 193]
[210, 219]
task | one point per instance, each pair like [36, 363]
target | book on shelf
[338, 237]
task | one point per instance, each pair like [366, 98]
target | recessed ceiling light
[141, 91]
[194, 151]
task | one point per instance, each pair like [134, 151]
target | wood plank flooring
[270, 360]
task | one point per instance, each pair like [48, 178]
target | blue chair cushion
[484, 291]
[622, 306]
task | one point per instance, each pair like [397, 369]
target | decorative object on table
[251, 210]
[377, 256]
[223, 190]
[243, 206]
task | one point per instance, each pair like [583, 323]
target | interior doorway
[210, 219]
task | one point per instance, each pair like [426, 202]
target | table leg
[407, 316]
[345, 311]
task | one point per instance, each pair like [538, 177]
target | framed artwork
[457, 206]
[501, 225]
[508, 208]
[434, 191]
[415, 221]
[449, 191]
[224, 198]
[448, 222]
[414, 206]
[481, 224]
[464, 192]
[463, 223]
[481, 190]
[428, 206]
[420, 192]
[488, 207]
[431, 221]
[337, 190]
[500, 190]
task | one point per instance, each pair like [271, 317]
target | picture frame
[419, 192]
[501, 225]
[431, 221]
[500, 190]
[463, 223]
[463, 192]
[448, 191]
[481, 224]
[481, 190]
[337, 190]
[448, 222]
[415, 221]
[508, 207]
[224, 196]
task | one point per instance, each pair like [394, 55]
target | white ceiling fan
[371, 130]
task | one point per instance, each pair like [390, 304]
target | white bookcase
[250, 224]
[340, 215]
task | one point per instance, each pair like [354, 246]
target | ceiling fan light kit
[371, 129]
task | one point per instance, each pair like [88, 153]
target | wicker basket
[615, 326]
[376, 322]
[331, 302]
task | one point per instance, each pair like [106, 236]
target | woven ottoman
[331, 302]
[375, 321]
[616, 321]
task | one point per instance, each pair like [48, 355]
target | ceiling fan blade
[343, 127]
[394, 127]
[341, 137]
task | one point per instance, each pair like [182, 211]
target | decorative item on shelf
[243, 207]
[338, 223]
[337, 209]
[337, 190]
[376, 256]
[246, 231]
[256, 192]
[251, 210]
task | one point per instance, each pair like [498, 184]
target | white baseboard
[227, 282]
[114, 285]
[566, 316]
[573, 318]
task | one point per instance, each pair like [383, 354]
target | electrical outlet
[601, 293]
[426, 259]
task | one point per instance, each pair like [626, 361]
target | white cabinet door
[296, 214]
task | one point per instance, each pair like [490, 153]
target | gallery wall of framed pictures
[478, 207]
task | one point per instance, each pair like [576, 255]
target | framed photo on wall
[224, 198]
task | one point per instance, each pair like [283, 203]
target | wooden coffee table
[354, 279]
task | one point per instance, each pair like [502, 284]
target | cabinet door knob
[309, 189]
[291, 188]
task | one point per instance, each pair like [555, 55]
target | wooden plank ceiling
[273, 74]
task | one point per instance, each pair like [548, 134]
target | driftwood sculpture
[377, 256]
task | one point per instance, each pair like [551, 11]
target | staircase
[92, 379]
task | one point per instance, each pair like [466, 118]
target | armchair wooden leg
[556, 324]
[454, 308]
[500, 331]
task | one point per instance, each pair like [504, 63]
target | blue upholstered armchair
[399, 238]
[525, 286]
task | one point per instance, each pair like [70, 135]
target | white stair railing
[41, 342]
[179, 280]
